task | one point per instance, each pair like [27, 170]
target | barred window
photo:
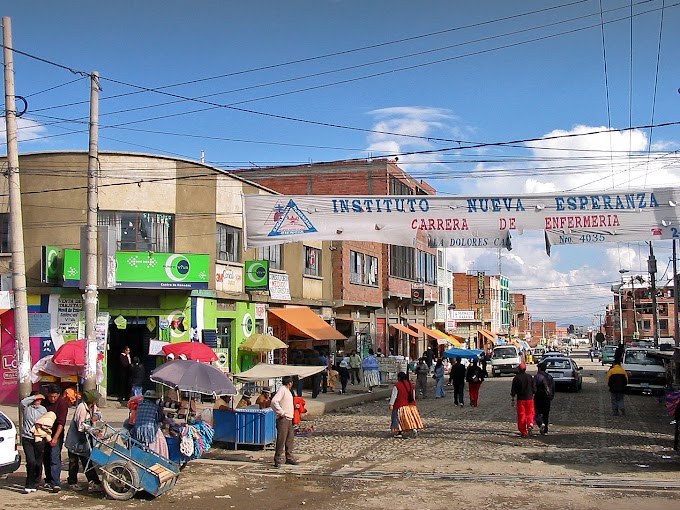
[141, 231]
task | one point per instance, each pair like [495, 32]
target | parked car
[607, 354]
[565, 372]
[646, 373]
[9, 448]
[539, 353]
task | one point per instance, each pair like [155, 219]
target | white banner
[465, 222]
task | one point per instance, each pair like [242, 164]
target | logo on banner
[257, 275]
[290, 220]
[177, 267]
[418, 296]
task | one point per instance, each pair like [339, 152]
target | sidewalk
[115, 414]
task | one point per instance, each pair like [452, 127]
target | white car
[9, 448]
[645, 372]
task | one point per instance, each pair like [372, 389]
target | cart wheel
[120, 480]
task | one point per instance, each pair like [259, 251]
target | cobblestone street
[590, 459]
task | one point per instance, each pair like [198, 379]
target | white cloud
[26, 130]
[573, 285]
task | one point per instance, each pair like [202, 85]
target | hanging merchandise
[196, 439]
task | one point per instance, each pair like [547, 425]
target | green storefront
[160, 298]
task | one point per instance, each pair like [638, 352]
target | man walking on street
[52, 455]
[524, 388]
[458, 381]
[545, 391]
[422, 371]
[617, 380]
[282, 404]
[354, 367]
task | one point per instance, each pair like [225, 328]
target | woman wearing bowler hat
[147, 427]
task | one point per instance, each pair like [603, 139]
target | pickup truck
[645, 373]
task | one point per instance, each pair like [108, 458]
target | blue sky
[469, 72]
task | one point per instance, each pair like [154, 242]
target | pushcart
[129, 466]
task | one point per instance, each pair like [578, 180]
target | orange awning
[488, 335]
[457, 341]
[404, 329]
[429, 332]
[304, 322]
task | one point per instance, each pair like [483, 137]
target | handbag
[76, 441]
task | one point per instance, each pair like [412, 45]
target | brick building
[374, 284]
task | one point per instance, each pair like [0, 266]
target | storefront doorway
[136, 336]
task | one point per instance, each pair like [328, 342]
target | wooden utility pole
[91, 298]
[23, 348]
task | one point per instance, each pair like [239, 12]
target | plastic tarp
[264, 371]
[463, 353]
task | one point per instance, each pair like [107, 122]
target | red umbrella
[71, 353]
[192, 350]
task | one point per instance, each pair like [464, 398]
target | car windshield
[640, 358]
[504, 353]
[609, 348]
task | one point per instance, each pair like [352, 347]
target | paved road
[590, 459]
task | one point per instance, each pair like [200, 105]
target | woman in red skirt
[474, 377]
[405, 415]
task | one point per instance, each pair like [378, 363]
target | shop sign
[120, 322]
[147, 270]
[51, 263]
[228, 278]
[463, 315]
[279, 287]
[418, 296]
[68, 315]
[260, 311]
[256, 275]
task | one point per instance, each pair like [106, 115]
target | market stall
[252, 425]
[192, 438]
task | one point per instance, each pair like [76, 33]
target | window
[272, 254]
[402, 262]
[427, 270]
[646, 324]
[4, 234]
[399, 188]
[312, 261]
[228, 243]
[663, 324]
[440, 259]
[363, 268]
[141, 231]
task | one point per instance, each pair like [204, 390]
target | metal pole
[651, 267]
[91, 298]
[23, 348]
[676, 329]
[620, 317]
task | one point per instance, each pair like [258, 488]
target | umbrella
[193, 376]
[463, 353]
[197, 351]
[71, 353]
[260, 342]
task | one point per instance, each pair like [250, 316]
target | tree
[571, 329]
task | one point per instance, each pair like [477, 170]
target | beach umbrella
[196, 351]
[193, 376]
[260, 342]
[71, 353]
